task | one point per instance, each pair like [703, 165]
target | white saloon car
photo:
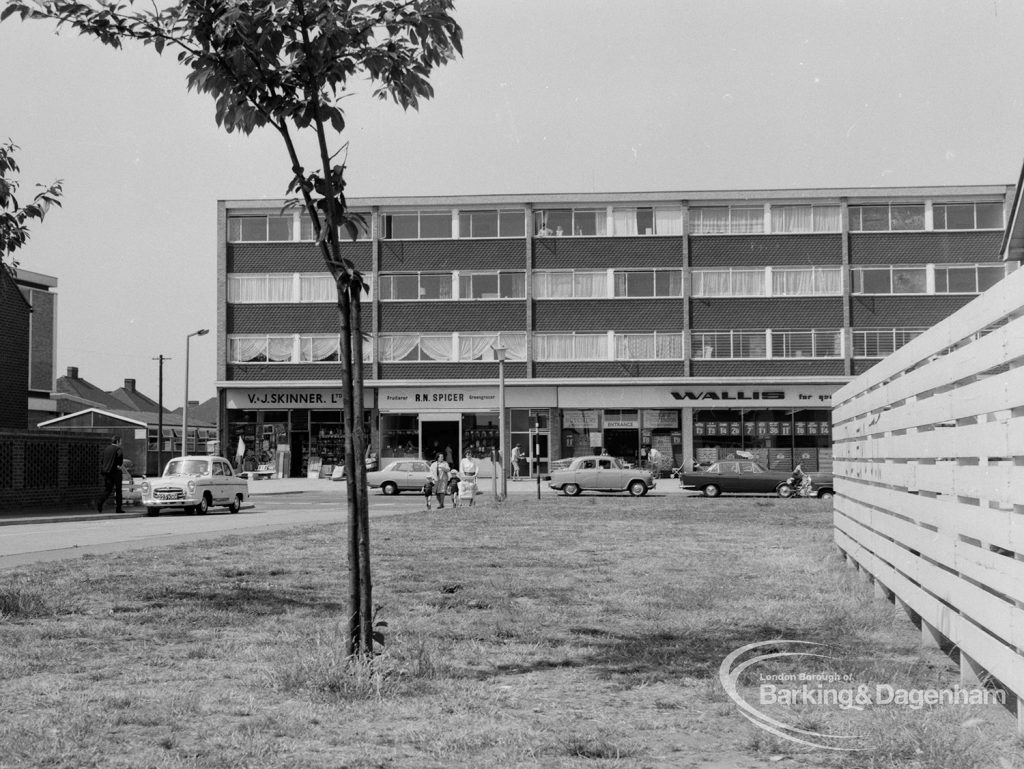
[195, 484]
[600, 474]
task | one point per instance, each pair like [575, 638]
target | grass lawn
[572, 632]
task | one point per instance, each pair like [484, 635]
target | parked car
[742, 476]
[600, 474]
[400, 475]
[195, 484]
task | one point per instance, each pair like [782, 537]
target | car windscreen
[186, 467]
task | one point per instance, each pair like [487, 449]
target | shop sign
[734, 429]
[699, 428]
[580, 419]
[687, 394]
[623, 423]
[655, 419]
[283, 398]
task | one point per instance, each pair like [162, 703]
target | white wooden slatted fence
[929, 477]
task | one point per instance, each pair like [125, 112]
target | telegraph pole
[160, 421]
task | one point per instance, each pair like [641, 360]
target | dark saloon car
[744, 476]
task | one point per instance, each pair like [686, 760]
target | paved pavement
[268, 487]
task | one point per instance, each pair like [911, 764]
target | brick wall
[489, 254]
[763, 250]
[49, 469]
[757, 312]
[604, 314]
[14, 354]
[290, 257]
[606, 253]
[924, 247]
[903, 311]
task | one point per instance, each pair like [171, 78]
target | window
[481, 346]
[807, 281]
[492, 285]
[729, 344]
[492, 224]
[416, 225]
[967, 216]
[260, 349]
[361, 218]
[568, 284]
[895, 216]
[317, 288]
[571, 346]
[242, 229]
[654, 346]
[967, 278]
[570, 221]
[260, 288]
[647, 221]
[319, 348]
[813, 343]
[890, 279]
[726, 220]
[729, 282]
[787, 219]
[415, 347]
[646, 283]
[415, 286]
[880, 342]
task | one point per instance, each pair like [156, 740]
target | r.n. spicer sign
[468, 398]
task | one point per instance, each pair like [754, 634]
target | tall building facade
[693, 323]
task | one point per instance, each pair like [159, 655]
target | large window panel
[317, 288]
[652, 346]
[552, 347]
[805, 218]
[807, 281]
[729, 282]
[565, 284]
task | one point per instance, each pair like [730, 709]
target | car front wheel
[571, 490]
[390, 489]
[711, 490]
[637, 488]
[204, 505]
[826, 494]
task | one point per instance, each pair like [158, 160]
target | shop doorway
[440, 437]
[624, 444]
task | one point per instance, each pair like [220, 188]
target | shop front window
[776, 438]
[530, 429]
[399, 436]
[581, 432]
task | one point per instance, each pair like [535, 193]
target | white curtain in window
[668, 221]
[321, 348]
[477, 347]
[317, 288]
[591, 347]
[590, 284]
[554, 346]
[748, 282]
[554, 285]
[395, 347]
[792, 282]
[245, 349]
[624, 221]
[634, 347]
[668, 346]
[279, 288]
[744, 220]
[515, 344]
[826, 219]
[279, 348]
[709, 221]
[792, 219]
[712, 283]
[436, 346]
[829, 280]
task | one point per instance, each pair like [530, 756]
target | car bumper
[153, 502]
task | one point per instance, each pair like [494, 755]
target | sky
[567, 96]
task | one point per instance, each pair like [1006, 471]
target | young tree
[14, 217]
[287, 64]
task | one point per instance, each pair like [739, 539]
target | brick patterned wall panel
[450, 371]
[6, 464]
[584, 370]
[788, 312]
[41, 466]
[761, 368]
[903, 311]
[860, 366]
[490, 315]
[289, 318]
[924, 247]
[41, 360]
[484, 254]
[287, 372]
[605, 314]
[761, 250]
[604, 253]
[14, 355]
[83, 463]
[291, 257]
[41, 469]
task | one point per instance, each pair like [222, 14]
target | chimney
[129, 385]
[72, 372]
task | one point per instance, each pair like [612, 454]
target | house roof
[139, 418]
[86, 393]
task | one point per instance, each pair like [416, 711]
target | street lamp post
[184, 410]
[499, 355]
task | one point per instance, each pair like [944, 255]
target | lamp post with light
[184, 411]
[499, 355]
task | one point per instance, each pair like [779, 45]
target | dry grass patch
[562, 633]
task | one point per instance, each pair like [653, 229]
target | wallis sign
[729, 395]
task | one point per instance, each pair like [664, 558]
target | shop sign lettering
[726, 395]
[294, 399]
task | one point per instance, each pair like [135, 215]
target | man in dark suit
[110, 469]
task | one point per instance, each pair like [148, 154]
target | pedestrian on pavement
[110, 469]
[439, 471]
[517, 457]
